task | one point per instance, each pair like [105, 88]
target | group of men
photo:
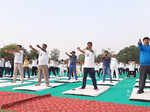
[109, 64]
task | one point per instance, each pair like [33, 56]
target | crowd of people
[44, 65]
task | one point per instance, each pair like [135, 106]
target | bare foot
[37, 84]
[48, 85]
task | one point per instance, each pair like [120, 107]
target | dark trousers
[144, 71]
[7, 70]
[97, 72]
[57, 70]
[51, 69]
[34, 71]
[131, 73]
[69, 72]
[121, 70]
[91, 72]
[1, 71]
[127, 71]
[12, 71]
[26, 70]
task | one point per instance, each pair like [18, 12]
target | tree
[55, 53]
[33, 54]
[128, 53]
[10, 47]
[81, 58]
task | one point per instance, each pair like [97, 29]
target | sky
[68, 24]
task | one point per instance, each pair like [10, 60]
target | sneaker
[82, 88]
[140, 91]
[96, 89]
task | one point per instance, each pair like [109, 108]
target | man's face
[44, 47]
[73, 53]
[146, 41]
[18, 48]
[105, 53]
[89, 46]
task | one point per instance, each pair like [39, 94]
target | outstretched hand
[30, 46]
[140, 41]
[78, 48]
[38, 46]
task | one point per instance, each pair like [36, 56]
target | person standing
[2, 61]
[42, 63]
[114, 66]
[89, 65]
[7, 67]
[18, 62]
[61, 66]
[132, 69]
[26, 67]
[144, 62]
[106, 66]
[34, 66]
[72, 66]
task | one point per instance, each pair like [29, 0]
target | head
[73, 53]
[44, 46]
[26, 57]
[146, 40]
[19, 47]
[106, 53]
[89, 45]
[114, 56]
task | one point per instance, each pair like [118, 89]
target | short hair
[106, 51]
[45, 45]
[19, 46]
[90, 43]
[146, 38]
[73, 52]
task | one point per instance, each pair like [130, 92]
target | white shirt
[101, 65]
[131, 67]
[65, 67]
[96, 66]
[19, 57]
[7, 64]
[52, 63]
[121, 65]
[34, 63]
[89, 59]
[43, 58]
[2, 60]
[114, 62]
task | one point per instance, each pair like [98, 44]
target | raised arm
[41, 48]
[10, 51]
[140, 45]
[68, 54]
[80, 50]
[33, 48]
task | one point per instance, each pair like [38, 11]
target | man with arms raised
[144, 62]
[89, 65]
[42, 63]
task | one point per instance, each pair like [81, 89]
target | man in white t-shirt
[2, 61]
[89, 65]
[18, 62]
[114, 66]
[7, 67]
[132, 69]
[34, 66]
[42, 63]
